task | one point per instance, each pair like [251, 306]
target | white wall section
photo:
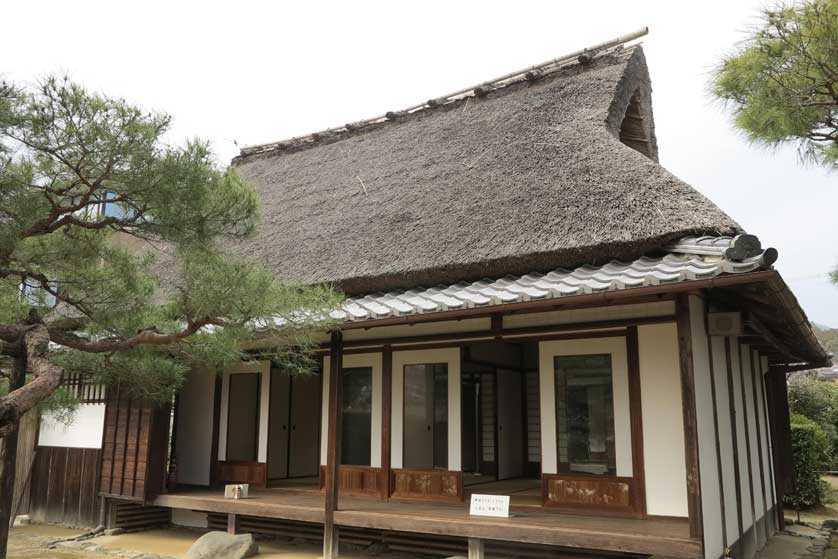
[711, 498]
[663, 420]
[727, 430]
[744, 479]
[616, 312]
[83, 431]
[748, 377]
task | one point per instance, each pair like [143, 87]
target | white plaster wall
[761, 425]
[711, 498]
[84, 431]
[263, 367]
[451, 356]
[622, 415]
[726, 434]
[373, 361]
[744, 480]
[617, 312]
[748, 375]
[189, 518]
[194, 428]
[663, 420]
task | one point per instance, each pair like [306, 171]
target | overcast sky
[254, 72]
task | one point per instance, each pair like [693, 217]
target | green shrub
[809, 446]
[818, 400]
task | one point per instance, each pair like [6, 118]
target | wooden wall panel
[432, 485]
[134, 448]
[606, 494]
[27, 433]
[359, 481]
[254, 473]
[64, 486]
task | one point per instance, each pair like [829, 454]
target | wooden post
[386, 418]
[685, 358]
[476, 549]
[232, 524]
[635, 409]
[333, 451]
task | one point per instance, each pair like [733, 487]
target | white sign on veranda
[489, 505]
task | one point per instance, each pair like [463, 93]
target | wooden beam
[513, 334]
[685, 358]
[386, 417]
[333, 449]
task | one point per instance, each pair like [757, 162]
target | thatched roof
[523, 176]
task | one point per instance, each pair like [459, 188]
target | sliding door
[305, 425]
[426, 416]
[356, 443]
[510, 420]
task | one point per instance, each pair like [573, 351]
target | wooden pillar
[778, 417]
[685, 359]
[636, 412]
[476, 549]
[386, 418]
[232, 524]
[333, 450]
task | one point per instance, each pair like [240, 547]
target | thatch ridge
[529, 177]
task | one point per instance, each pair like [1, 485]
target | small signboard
[237, 491]
[489, 505]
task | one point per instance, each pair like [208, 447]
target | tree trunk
[8, 462]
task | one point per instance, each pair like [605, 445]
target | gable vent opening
[635, 131]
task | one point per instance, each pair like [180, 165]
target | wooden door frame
[636, 483]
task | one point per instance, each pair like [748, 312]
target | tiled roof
[693, 258]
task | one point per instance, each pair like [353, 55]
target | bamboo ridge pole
[592, 50]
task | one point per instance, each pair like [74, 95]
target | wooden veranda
[532, 525]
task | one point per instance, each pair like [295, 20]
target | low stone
[221, 545]
[22, 520]
[830, 524]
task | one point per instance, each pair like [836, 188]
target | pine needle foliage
[112, 242]
[782, 81]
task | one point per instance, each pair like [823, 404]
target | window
[357, 417]
[34, 295]
[585, 414]
[426, 416]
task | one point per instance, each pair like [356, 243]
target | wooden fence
[66, 491]
[25, 454]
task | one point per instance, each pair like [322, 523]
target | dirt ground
[168, 543]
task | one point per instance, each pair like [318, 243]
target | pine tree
[113, 261]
